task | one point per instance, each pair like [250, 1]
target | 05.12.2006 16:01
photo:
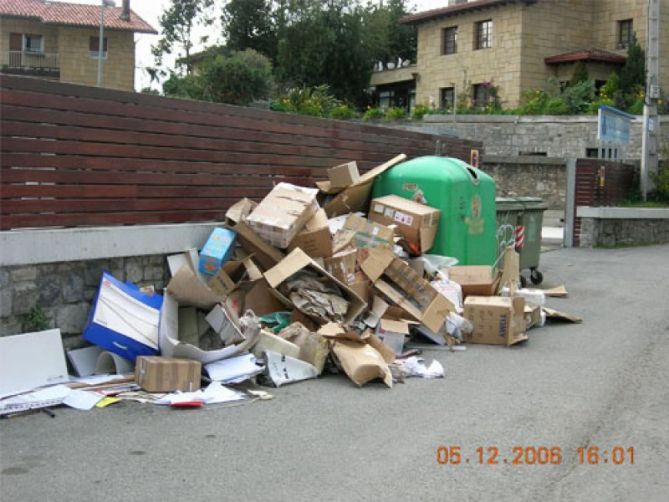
[536, 455]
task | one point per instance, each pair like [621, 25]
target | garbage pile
[306, 282]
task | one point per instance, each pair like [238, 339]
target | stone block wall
[602, 232]
[64, 291]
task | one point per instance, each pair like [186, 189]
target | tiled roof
[453, 10]
[586, 55]
[73, 15]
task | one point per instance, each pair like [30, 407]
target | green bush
[395, 113]
[419, 111]
[662, 183]
[342, 112]
[373, 114]
[315, 101]
[578, 97]
[556, 106]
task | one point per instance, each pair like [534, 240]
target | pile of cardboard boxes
[309, 280]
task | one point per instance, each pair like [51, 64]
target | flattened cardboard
[497, 320]
[510, 276]
[264, 254]
[367, 234]
[362, 363]
[315, 238]
[343, 266]
[31, 360]
[475, 280]
[189, 290]
[296, 261]
[556, 315]
[260, 299]
[239, 211]
[416, 223]
[283, 213]
[356, 197]
[557, 292]
[165, 374]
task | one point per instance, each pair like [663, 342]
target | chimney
[125, 13]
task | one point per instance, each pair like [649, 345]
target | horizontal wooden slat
[75, 155]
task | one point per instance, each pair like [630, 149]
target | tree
[248, 24]
[237, 78]
[177, 23]
[633, 73]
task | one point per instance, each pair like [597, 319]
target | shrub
[373, 114]
[577, 98]
[342, 112]
[395, 113]
[419, 111]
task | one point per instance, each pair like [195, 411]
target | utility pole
[651, 123]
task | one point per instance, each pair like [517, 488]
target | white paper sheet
[82, 399]
[233, 370]
[284, 369]
[215, 393]
[97, 379]
[48, 396]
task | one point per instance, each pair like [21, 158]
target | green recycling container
[465, 196]
[519, 224]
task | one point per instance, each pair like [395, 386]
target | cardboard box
[393, 333]
[216, 251]
[415, 222]
[344, 175]
[343, 266]
[361, 362]
[298, 260]
[476, 280]
[401, 284]
[355, 197]
[364, 233]
[497, 320]
[283, 213]
[234, 274]
[315, 238]
[167, 374]
[264, 254]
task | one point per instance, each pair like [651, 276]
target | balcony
[44, 64]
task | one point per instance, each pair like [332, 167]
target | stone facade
[551, 136]
[71, 47]
[523, 35]
[63, 291]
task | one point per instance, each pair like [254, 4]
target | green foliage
[177, 23]
[390, 42]
[238, 78]
[249, 24]
[419, 111]
[661, 181]
[395, 113]
[580, 74]
[342, 112]
[315, 101]
[577, 98]
[34, 320]
[633, 73]
[373, 114]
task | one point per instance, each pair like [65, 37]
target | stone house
[61, 41]
[516, 45]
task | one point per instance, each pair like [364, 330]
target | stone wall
[511, 135]
[611, 227]
[63, 291]
[529, 177]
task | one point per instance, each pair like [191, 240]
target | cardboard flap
[327, 188]
[240, 210]
[265, 254]
[362, 362]
[386, 352]
[510, 270]
[190, 291]
[391, 325]
[376, 262]
[291, 264]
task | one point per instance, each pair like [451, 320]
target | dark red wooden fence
[74, 155]
[601, 183]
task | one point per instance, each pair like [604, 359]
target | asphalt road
[602, 383]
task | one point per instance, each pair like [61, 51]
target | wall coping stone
[524, 119]
[623, 213]
[27, 247]
[522, 160]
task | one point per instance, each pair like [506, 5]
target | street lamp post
[103, 5]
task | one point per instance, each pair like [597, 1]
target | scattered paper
[415, 366]
[106, 401]
[82, 399]
[97, 379]
[215, 393]
[42, 398]
[282, 369]
[233, 370]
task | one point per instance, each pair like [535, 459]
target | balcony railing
[18, 61]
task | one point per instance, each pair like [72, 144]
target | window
[446, 98]
[94, 47]
[450, 40]
[480, 94]
[625, 33]
[385, 99]
[602, 153]
[33, 43]
[483, 35]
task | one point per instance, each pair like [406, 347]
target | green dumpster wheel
[535, 276]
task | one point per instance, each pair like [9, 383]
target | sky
[150, 11]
